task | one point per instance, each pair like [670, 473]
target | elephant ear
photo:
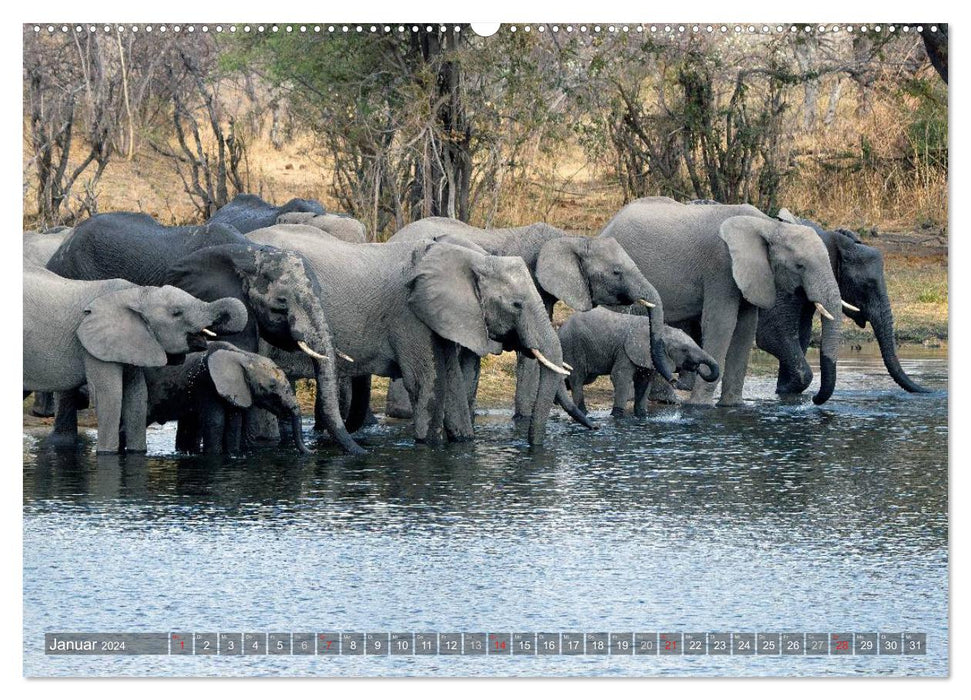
[559, 272]
[229, 377]
[443, 294]
[637, 344]
[114, 330]
[745, 236]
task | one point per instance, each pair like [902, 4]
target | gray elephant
[247, 212]
[784, 330]
[402, 309]
[104, 333]
[581, 272]
[207, 393]
[719, 264]
[340, 226]
[604, 342]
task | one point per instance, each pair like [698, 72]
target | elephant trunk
[829, 351]
[659, 355]
[226, 316]
[711, 371]
[311, 330]
[297, 430]
[536, 334]
[882, 323]
[566, 403]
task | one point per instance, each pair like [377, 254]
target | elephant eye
[518, 305]
[177, 313]
[617, 272]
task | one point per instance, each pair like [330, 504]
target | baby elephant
[601, 341]
[208, 395]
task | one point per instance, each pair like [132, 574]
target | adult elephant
[720, 264]
[339, 226]
[401, 308]
[280, 291]
[784, 330]
[247, 212]
[581, 272]
[104, 334]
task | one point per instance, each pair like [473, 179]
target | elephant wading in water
[603, 342]
[105, 333]
[402, 308]
[205, 391]
[581, 272]
[784, 330]
[247, 212]
[280, 291]
[719, 264]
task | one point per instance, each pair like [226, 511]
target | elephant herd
[211, 325]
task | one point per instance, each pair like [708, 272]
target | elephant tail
[566, 403]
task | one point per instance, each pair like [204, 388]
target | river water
[774, 516]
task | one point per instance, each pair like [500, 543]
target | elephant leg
[642, 383]
[107, 382]
[344, 395]
[134, 409]
[233, 441]
[717, 328]
[527, 384]
[65, 432]
[213, 427]
[458, 419]
[398, 404]
[360, 407]
[44, 405]
[736, 361]
[471, 365]
[780, 334]
[187, 435]
[424, 380]
[622, 377]
[576, 388]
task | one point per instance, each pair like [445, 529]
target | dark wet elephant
[784, 330]
[247, 212]
[279, 289]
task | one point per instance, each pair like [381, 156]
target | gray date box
[817, 644]
[743, 644]
[524, 643]
[426, 643]
[450, 643]
[500, 644]
[598, 643]
[180, 643]
[865, 643]
[890, 643]
[278, 643]
[205, 643]
[621, 643]
[474, 643]
[377, 644]
[548, 643]
[694, 643]
[571, 643]
[402, 644]
[670, 643]
[793, 644]
[915, 643]
[719, 643]
[767, 643]
[230, 643]
[352, 644]
[304, 643]
[841, 644]
[645, 643]
[254, 643]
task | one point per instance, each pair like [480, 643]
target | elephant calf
[208, 393]
[601, 341]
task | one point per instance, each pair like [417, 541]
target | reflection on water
[774, 516]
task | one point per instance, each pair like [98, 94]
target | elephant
[403, 309]
[340, 226]
[601, 341]
[247, 212]
[105, 333]
[581, 272]
[279, 289]
[206, 393]
[784, 330]
[720, 264]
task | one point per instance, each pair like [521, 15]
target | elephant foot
[60, 441]
[617, 412]
[729, 402]
[640, 413]
[461, 438]
[370, 419]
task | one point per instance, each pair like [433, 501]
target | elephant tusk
[343, 356]
[823, 312]
[848, 305]
[209, 333]
[644, 302]
[547, 364]
[306, 348]
[566, 366]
